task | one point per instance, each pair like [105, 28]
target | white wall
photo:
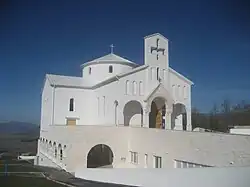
[180, 89]
[46, 105]
[100, 72]
[116, 91]
[240, 131]
[80, 139]
[196, 177]
[210, 149]
[83, 108]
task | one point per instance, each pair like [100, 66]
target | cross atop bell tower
[156, 51]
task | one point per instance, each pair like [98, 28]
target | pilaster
[145, 117]
[168, 119]
[189, 120]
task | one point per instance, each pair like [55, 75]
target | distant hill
[18, 127]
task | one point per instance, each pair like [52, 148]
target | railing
[54, 160]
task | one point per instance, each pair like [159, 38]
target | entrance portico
[157, 109]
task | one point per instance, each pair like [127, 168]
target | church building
[123, 115]
[116, 91]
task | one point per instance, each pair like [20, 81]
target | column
[178, 122]
[145, 118]
[189, 121]
[168, 120]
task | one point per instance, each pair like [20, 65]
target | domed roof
[110, 58]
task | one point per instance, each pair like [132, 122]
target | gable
[180, 76]
[46, 83]
[160, 91]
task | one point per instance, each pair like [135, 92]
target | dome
[110, 59]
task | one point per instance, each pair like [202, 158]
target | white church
[123, 115]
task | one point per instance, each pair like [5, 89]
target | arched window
[60, 152]
[110, 69]
[164, 74]
[140, 88]
[89, 70]
[127, 87]
[50, 147]
[173, 90]
[64, 151]
[46, 145]
[134, 87]
[184, 92]
[178, 92]
[55, 149]
[157, 73]
[71, 105]
[55, 152]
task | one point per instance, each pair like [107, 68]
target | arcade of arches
[157, 117]
[100, 156]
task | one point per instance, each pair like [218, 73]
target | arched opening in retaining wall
[100, 156]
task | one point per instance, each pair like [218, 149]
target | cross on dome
[112, 48]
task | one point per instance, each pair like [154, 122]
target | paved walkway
[67, 178]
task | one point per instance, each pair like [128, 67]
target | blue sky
[209, 43]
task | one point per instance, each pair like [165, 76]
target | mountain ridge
[18, 127]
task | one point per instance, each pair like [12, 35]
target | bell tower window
[157, 73]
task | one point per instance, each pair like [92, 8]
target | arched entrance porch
[133, 113]
[99, 156]
[157, 113]
[179, 117]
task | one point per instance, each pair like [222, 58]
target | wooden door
[159, 119]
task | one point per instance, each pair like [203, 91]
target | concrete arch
[100, 155]
[46, 145]
[179, 117]
[157, 113]
[60, 149]
[160, 92]
[133, 113]
[55, 149]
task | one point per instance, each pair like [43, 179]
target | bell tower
[156, 51]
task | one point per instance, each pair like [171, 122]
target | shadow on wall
[99, 156]
[132, 113]
[179, 116]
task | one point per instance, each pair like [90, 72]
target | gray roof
[79, 82]
[110, 58]
[69, 81]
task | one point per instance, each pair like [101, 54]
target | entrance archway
[157, 113]
[179, 117]
[133, 113]
[99, 156]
